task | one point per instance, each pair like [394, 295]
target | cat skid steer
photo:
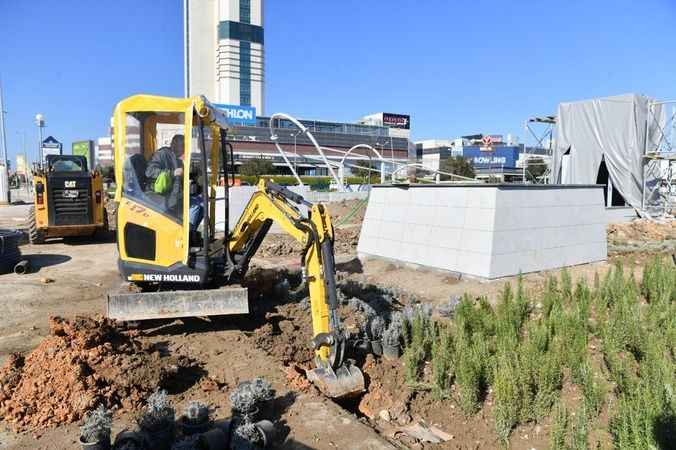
[181, 270]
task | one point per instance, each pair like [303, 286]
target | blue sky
[456, 67]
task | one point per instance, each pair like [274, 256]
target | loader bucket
[347, 381]
[174, 304]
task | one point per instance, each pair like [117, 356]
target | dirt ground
[71, 278]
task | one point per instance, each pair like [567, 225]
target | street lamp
[40, 122]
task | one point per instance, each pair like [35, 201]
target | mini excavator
[170, 156]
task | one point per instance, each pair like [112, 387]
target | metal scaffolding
[540, 132]
[659, 161]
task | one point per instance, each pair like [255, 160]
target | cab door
[151, 214]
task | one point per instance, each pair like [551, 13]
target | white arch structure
[341, 165]
[306, 132]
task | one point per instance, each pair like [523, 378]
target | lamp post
[4, 169]
[40, 122]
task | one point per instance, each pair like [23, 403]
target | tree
[361, 169]
[255, 167]
[456, 165]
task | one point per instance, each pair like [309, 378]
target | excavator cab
[170, 154]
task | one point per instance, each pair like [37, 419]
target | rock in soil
[84, 362]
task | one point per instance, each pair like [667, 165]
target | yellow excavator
[169, 157]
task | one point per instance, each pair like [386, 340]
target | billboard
[397, 121]
[86, 149]
[499, 157]
[21, 165]
[51, 146]
[239, 115]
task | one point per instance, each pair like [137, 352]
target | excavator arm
[333, 374]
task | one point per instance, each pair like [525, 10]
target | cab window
[153, 166]
[66, 165]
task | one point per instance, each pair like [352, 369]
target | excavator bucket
[174, 304]
[345, 382]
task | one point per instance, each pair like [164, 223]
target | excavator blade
[346, 381]
[174, 304]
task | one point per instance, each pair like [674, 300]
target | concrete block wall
[487, 231]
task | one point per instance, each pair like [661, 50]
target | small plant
[559, 426]
[196, 413]
[247, 433]
[376, 327]
[391, 337]
[97, 425]
[442, 359]
[508, 395]
[242, 399]
[158, 413]
[248, 394]
[262, 390]
[579, 438]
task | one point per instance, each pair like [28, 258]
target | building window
[240, 32]
[245, 11]
[245, 73]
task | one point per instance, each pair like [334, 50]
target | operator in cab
[165, 173]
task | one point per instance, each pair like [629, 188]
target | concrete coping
[509, 186]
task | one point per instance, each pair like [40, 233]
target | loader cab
[166, 157]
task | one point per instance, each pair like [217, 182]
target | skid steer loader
[67, 200]
[168, 156]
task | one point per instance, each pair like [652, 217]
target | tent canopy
[611, 129]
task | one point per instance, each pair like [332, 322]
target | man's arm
[155, 166]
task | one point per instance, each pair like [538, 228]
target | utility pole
[4, 169]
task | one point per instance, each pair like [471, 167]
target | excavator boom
[334, 375]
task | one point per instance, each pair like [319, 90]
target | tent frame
[659, 160]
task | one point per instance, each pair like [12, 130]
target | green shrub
[507, 389]
[557, 436]
[422, 334]
[442, 360]
[469, 375]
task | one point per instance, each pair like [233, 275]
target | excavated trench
[281, 324]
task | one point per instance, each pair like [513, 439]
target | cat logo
[69, 183]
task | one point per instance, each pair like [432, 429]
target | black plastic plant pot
[391, 351]
[160, 438]
[377, 347]
[214, 439]
[98, 445]
[364, 346]
[267, 431]
[189, 427]
[129, 439]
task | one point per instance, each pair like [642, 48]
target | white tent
[610, 129]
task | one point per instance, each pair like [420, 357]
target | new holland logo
[166, 277]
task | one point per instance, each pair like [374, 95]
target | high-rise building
[224, 51]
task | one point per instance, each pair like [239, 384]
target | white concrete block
[450, 216]
[480, 219]
[481, 197]
[495, 232]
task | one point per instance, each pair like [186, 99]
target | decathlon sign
[239, 115]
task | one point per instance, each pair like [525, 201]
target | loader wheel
[34, 235]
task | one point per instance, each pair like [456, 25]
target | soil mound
[641, 230]
[345, 243]
[82, 363]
